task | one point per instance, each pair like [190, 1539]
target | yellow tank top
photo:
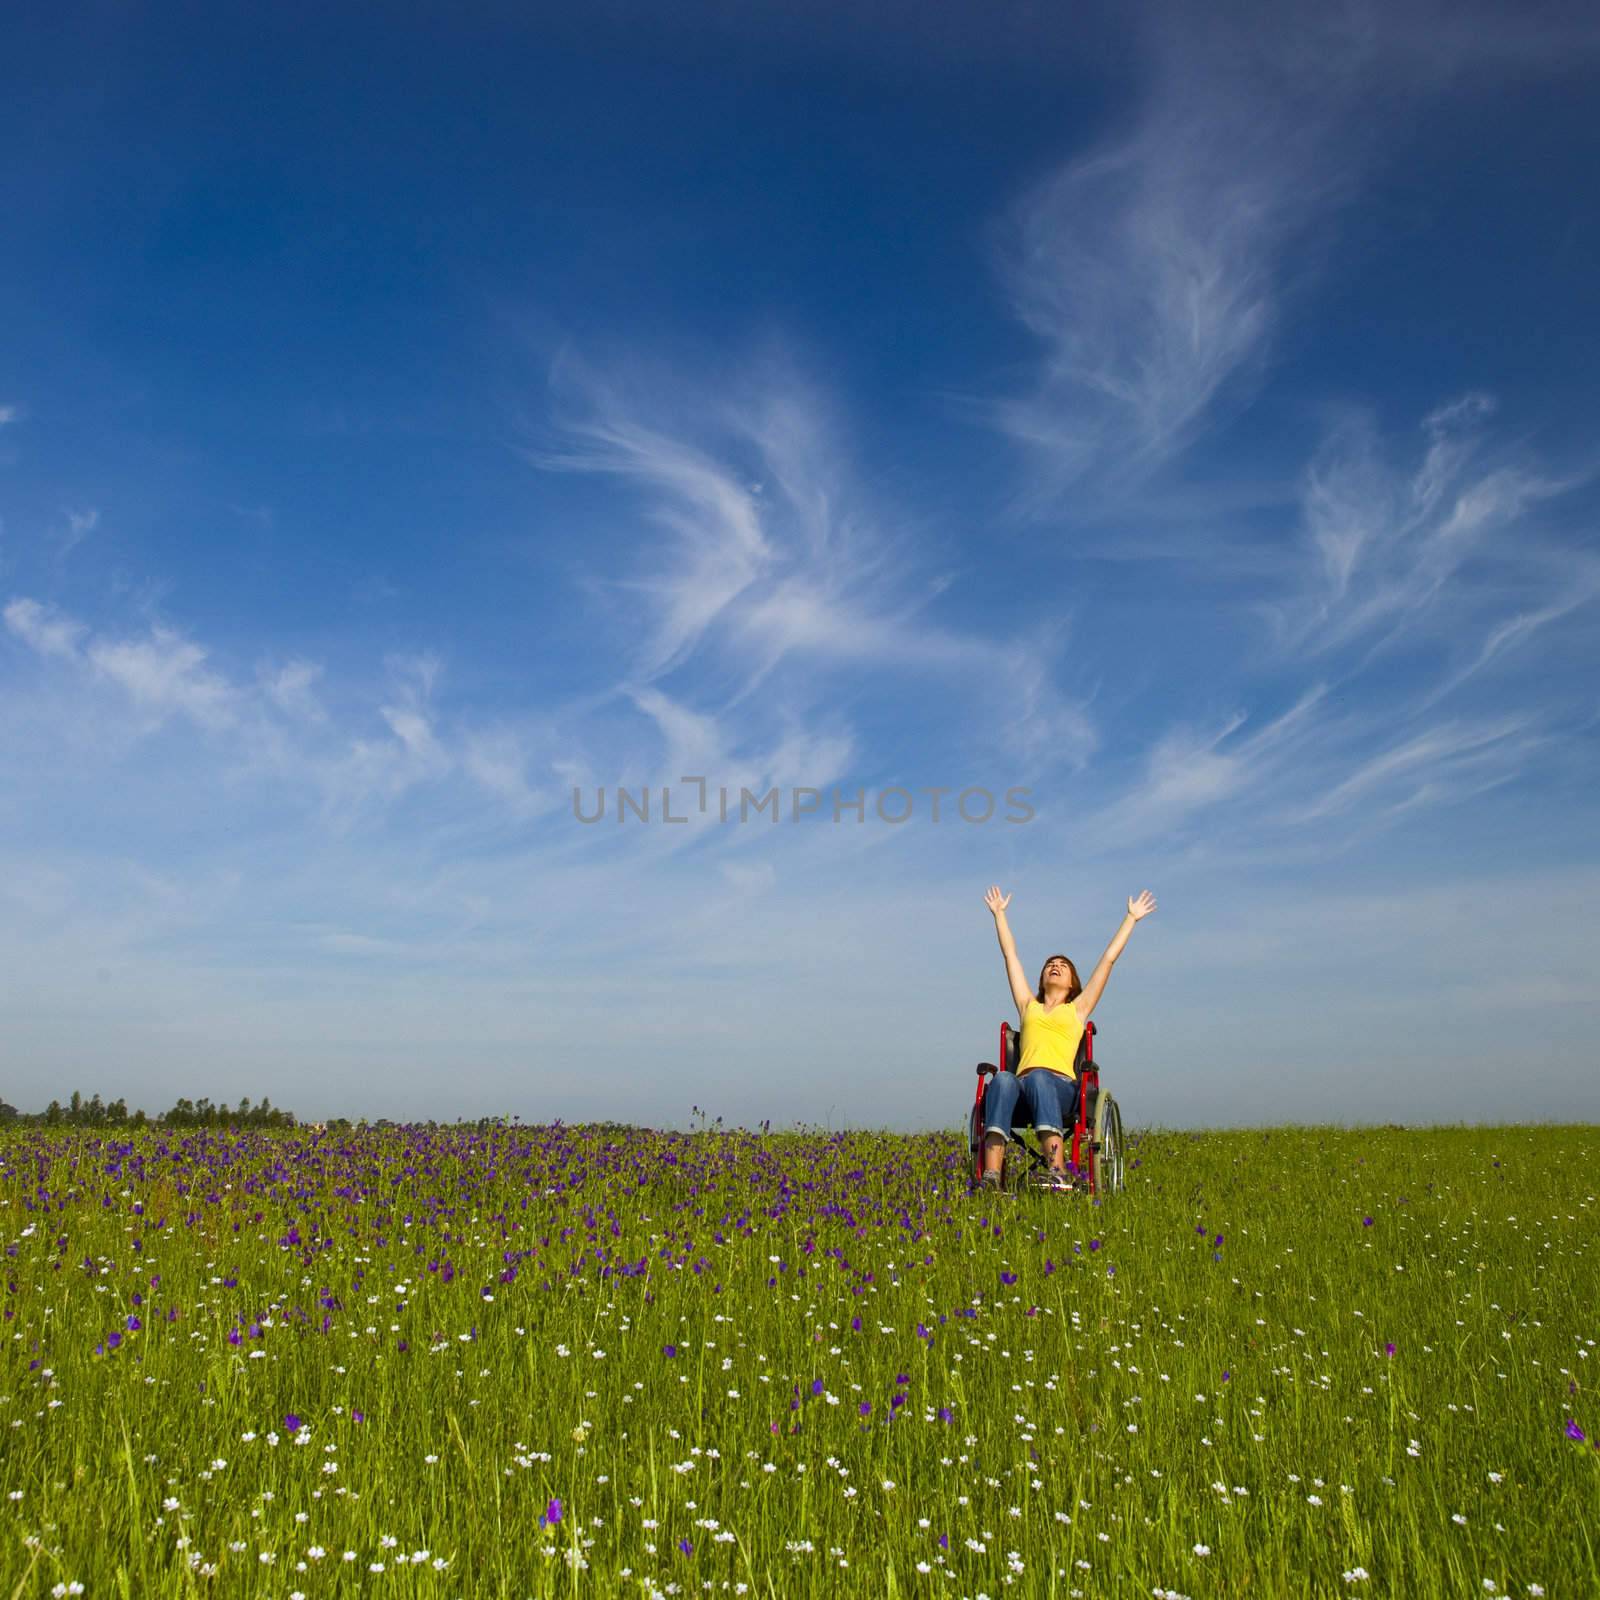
[1050, 1038]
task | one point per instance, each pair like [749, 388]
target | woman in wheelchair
[1043, 1091]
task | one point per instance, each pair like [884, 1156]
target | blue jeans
[1045, 1100]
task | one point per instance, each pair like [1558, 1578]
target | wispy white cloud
[415, 733]
[78, 526]
[10, 414]
[164, 673]
[1153, 267]
[292, 689]
[1443, 44]
[360, 773]
[1445, 763]
[776, 752]
[1323, 770]
[1418, 566]
[278, 727]
[1583, 589]
[773, 550]
[693, 742]
[44, 628]
[1188, 772]
[780, 575]
[716, 544]
[410, 715]
[1450, 558]
[1397, 551]
[498, 760]
[1156, 267]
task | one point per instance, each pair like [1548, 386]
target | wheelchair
[1096, 1161]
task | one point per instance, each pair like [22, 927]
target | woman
[1043, 1091]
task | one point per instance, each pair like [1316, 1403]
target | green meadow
[518, 1361]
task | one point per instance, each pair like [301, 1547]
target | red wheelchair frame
[1084, 1156]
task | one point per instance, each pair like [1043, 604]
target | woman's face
[1057, 974]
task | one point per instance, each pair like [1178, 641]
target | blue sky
[402, 425]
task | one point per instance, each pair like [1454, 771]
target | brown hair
[1074, 989]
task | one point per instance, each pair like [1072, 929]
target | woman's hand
[996, 901]
[1141, 906]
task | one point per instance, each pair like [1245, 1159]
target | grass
[568, 1362]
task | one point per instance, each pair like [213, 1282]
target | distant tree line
[95, 1113]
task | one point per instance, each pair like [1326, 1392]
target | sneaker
[993, 1183]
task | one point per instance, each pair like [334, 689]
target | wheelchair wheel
[1108, 1146]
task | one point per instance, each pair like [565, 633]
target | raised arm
[1139, 908]
[1020, 992]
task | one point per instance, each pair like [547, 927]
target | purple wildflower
[291, 1423]
[1388, 1349]
[1094, 1244]
[816, 1386]
[1366, 1222]
[553, 1512]
[669, 1350]
[866, 1408]
[686, 1547]
[1574, 1432]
